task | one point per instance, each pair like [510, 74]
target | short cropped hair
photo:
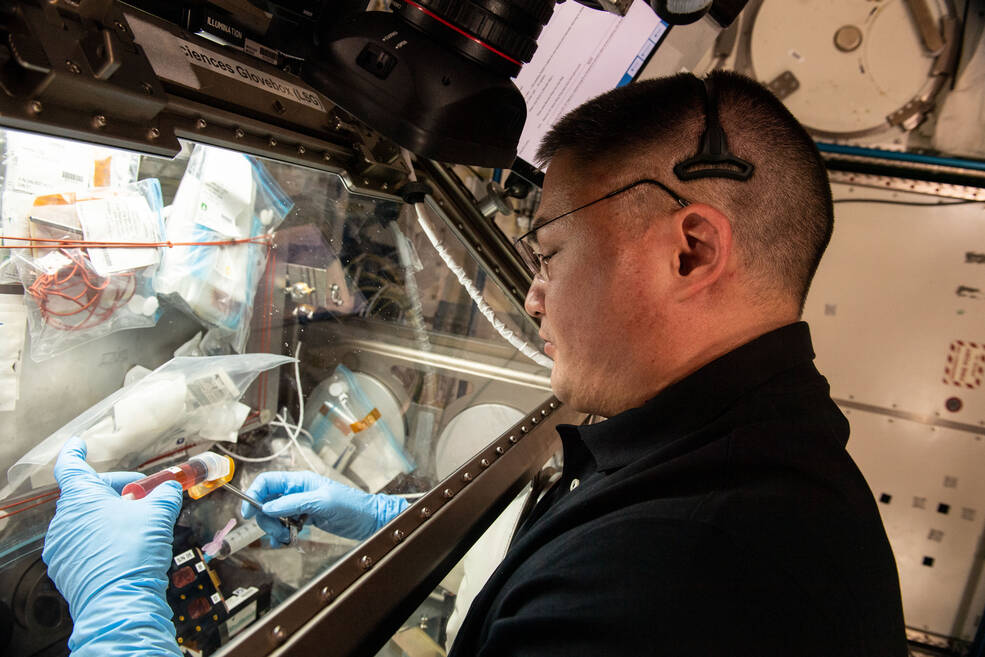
[782, 217]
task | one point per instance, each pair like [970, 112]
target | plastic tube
[198, 475]
[522, 346]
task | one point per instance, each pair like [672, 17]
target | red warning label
[965, 365]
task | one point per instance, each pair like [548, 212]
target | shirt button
[574, 484]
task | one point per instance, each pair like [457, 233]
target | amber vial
[198, 475]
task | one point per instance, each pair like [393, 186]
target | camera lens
[498, 34]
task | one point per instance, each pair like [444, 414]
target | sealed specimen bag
[185, 400]
[76, 292]
[223, 196]
[34, 166]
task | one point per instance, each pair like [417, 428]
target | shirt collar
[695, 400]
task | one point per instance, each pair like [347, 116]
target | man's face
[600, 309]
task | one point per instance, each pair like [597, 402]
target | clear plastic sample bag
[185, 400]
[77, 293]
[223, 196]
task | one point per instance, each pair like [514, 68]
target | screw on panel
[513, 439]
[119, 25]
[72, 66]
[327, 157]
[35, 107]
[534, 420]
[147, 88]
[201, 124]
[153, 133]
[278, 634]
[326, 594]
[553, 404]
[523, 428]
[499, 450]
[426, 512]
[449, 493]
[272, 141]
[239, 133]
[466, 477]
[543, 412]
[301, 149]
[99, 121]
[365, 181]
[366, 562]
[484, 463]
[279, 107]
[398, 535]
[386, 186]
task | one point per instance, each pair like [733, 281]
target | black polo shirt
[722, 517]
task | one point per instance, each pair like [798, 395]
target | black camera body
[417, 91]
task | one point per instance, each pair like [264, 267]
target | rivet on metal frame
[484, 463]
[278, 634]
[201, 124]
[534, 420]
[467, 476]
[513, 439]
[524, 428]
[366, 562]
[326, 594]
[239, 133]
[272, 141]
[543, 412]
[153, 133]
[426, 512]
[35, 107]
[301, 149]
[99, 121]
[553, 405]
[499, 450]
[72, 66]
[398, 535]
[449, 493]
[327, 157]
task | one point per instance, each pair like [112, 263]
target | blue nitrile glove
[109, 557]
[331, 506]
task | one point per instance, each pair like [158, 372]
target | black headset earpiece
[714, 159]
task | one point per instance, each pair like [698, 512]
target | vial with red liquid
[198, 475]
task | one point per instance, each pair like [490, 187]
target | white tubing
[521, 345]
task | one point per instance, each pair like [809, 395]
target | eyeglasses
[526, 245]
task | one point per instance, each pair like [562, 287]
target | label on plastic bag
[219, 210]
[214, 388]
[120, 219]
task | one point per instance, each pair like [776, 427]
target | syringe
[198, 475]
[238, 539]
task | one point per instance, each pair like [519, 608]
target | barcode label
[199, 567]
[213, 388]
[184, 557]
[215, 598]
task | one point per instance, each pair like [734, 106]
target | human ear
[704, 243]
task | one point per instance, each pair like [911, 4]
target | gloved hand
[109, 557]
[331, 506]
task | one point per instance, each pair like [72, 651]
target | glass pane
[156, 354]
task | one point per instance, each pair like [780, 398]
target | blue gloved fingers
[273, 526]
[117, 480]
[72, 472]
[269, 485]
[312, 503]
[165, 503]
